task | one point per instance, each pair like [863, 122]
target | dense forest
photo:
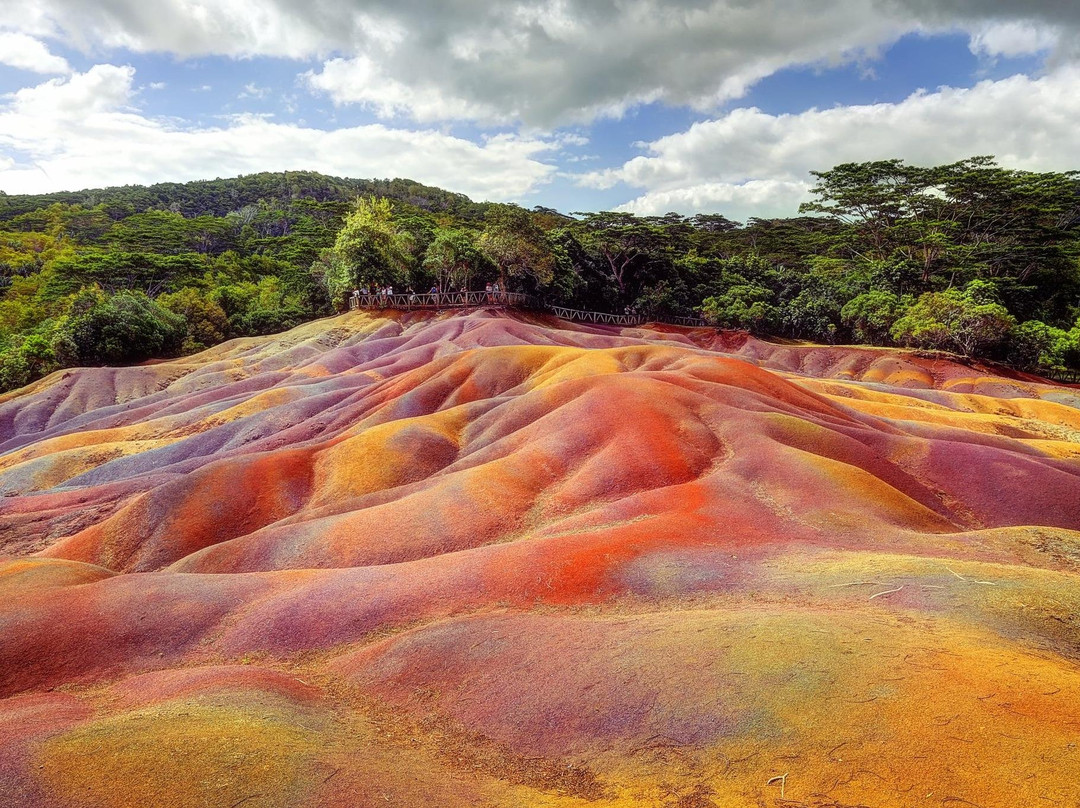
[969, 258]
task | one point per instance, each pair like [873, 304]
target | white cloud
[533, 65]
[26, 53]
[82, 132]
[764, 199]
[1015, 38]
[570, 61]
[749, 163]
[543, 63]
[362, 81]
[252, 90]
[102, 88]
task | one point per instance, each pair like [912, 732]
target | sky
[649, 106]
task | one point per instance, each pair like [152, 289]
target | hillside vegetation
[969, 258]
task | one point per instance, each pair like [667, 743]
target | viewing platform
[467, 300]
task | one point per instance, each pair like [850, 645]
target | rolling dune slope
[487, 559]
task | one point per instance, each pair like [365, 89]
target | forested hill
[221, 197]
[116, 275]
[969, 258]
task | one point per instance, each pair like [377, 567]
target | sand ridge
[497, 559]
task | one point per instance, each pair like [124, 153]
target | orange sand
[500, 560]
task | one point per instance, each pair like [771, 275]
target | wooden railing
[601, 317]
[607, 318]
[1063, 375]
[465, 300]
[689, 322]
[439, 300]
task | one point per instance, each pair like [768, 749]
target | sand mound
[489, 559]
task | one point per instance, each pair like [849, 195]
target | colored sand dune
[502, 560]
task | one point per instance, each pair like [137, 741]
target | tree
[666, 298]
[871, 316]
[622, 244]
[369, 250]
[454, 257]
[1036, 345]
[872, 196]
[516, 245]
[126, 327]
[962, 320]
[967, 219]
[271, 309]
[747, 306]
[207, 323]
[116, 271]
[26, 358]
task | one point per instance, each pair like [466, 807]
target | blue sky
[689, 105]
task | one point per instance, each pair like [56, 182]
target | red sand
[501, 560]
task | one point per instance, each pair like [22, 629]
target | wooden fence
[466, 300]
[440, 300]
[607, 318]
[600, 317]
[1063, 375]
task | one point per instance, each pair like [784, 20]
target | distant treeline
[968, 257]
[123, 274]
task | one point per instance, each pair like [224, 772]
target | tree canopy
[968, 257]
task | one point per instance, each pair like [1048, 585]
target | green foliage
[370, 250]
[968, 257]
[112, 329]
[23, 305]
[206, 321]
[1036, 345]
[664, 299]
[621, 246]
[270, 310]
[967, 220]
[568, 283]
[964, 321]
[181, 244]
[25, 358]
[221, 197]
[746, 306]
[515, 244]
[871, 316]
[113, 271]
[166, 232]
[262, 307]
[454, 258]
